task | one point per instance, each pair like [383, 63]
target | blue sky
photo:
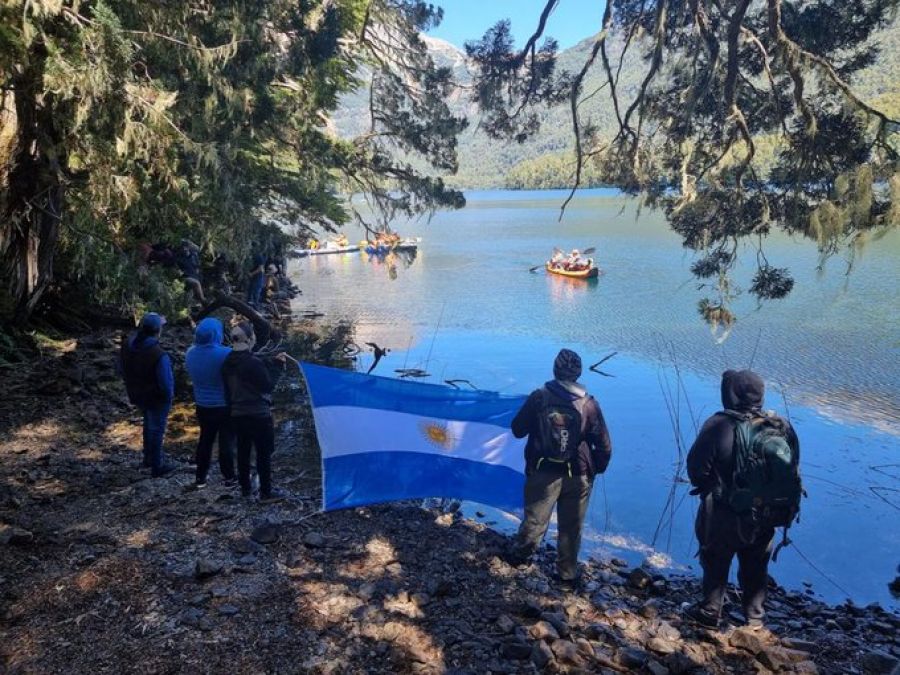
[572, 21]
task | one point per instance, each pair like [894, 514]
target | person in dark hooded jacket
[150, 383]
[721, 533]
[562, 482]
[249, 383]
[204, 362]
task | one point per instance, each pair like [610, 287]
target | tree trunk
[36, 190]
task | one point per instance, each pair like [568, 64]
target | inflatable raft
[591, 272]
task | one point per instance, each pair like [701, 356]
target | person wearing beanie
[150, 383]
[204, 362]
[568, 445]
[721, 531]
[249, 383]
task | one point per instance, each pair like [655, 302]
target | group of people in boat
[572, 262]
[385, 240]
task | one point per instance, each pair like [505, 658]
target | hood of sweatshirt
[566, 389]
[208, 333]
[742, 390]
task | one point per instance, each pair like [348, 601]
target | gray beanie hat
[567, 366]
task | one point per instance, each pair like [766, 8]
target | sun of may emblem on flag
[438, 433]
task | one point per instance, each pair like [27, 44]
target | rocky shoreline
[103, 569]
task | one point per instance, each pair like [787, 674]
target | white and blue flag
[384, 439]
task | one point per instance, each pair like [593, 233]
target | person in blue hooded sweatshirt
[204, 365]
[150, 382]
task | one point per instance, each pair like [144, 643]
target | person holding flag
[568, 445]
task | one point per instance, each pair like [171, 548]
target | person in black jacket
[150, 383]
[560, 469]
[721, 532]
[249, 382]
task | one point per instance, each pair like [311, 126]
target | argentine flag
[384, 439]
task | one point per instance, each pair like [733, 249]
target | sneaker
[755, 624]
[698, 615]
[275, 495]
[165, 470]
[200, 485]
[230, 482]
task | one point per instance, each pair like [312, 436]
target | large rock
[747, 639]
[543, 630]
[780, 658]
[558, 621]
[541, 654]
[516, 651]
[266, 533]
[633, 658]
[800, 645]
[661, 646]
[505, 624]
[877, 662]
[205, 568]
[314, 540]
[650, 609]
[639, 578]
[567, 652]
[15, 536]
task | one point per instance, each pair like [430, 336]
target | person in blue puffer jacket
[150, 383]
[204, 365]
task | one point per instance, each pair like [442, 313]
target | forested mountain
[545, 160]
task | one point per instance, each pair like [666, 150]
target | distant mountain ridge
[545, 160]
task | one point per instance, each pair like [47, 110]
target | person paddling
[568, 445]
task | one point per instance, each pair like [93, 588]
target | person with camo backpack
[568, 445]
[744, 465]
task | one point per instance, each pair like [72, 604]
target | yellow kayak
[590, 273]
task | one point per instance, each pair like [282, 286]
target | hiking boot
[165, 470]
[275, 495]
[569, 585]
[698, 615]
[230, 482]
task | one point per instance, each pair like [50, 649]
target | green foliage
[149, 122]
[732, 118]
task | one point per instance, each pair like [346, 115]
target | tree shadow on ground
[125, 573]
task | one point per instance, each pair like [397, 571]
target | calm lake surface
[467, 307]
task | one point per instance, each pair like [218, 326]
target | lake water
[467, 307]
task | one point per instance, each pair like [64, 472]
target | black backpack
[560, 423]
[765, 484]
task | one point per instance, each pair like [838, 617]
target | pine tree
[127, 121]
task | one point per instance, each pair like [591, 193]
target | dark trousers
[255, 432]
[570, 496]
[215, 422]
[155, 420]
[722, 536]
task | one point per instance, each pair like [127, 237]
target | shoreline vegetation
[101, 563]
